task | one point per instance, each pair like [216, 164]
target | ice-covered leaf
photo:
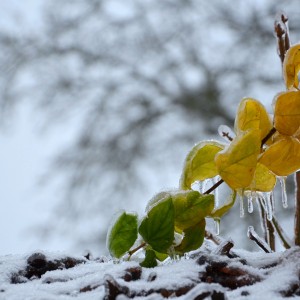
[282, 157]
[291, 67]
[218, 212]
[193, 238]
[150, 259]
[156, 199]
[252, 114]
[264, 180]
[122, 234]
[190, 208]
[236, 164]
[287, 112]
[200, 163]
[157, 228]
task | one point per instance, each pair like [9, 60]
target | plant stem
[271, 235]
[269, 135]
[210, 236]
[142, 245]
[280, 233]
[214, 187]
[260, 242]
[297, 209]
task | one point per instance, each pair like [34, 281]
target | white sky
[24, 157]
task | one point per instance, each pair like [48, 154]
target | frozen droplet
[282, 181]
[217, 225]
[226, 133]
[242, 210]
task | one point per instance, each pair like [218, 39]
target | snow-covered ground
[201, 275]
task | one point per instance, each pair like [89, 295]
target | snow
[86, 280]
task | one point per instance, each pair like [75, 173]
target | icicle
[216, 191]
[242, 211]
[200, 186]
[250, 202]
[217, 225]
[282, 181]
[268, 205]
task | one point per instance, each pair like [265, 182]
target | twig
[297, 209]
[259, 241]
[282, 33]
[214, 187]
[142, 245]
[271, 235]
[210, 236]
[281, 233]
[268, 136]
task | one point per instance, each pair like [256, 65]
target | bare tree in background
[144, 80]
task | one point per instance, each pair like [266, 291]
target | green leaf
[122, 234]
[200, 163]
[161, 256]
[150, 259]
[193, 238]
[190, 208]
[157, 228]
[220, 211]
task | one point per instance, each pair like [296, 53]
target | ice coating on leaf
[287, 112]
[157, 198]
[122, 234]
[291, 67]
[263, 181]
[237, 163]
[226, 133]
[251, 114]
[218, 212]
[157, 228]
[191, 207]
[282, 157]
[200, 163]
[193, 238]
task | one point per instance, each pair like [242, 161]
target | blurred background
[101, 100]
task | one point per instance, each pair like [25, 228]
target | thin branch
[271, 235]
[281, 233]
[297, 209]
[259, 241]
[142, 245]
[214, 187]
[268, 136]
[210, 236]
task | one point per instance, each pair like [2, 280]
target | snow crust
[279, 271]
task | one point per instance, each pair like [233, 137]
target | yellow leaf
[237, 163]
[282, 157]
[264, 180]
[287, 112]
[291, 67]
[251, 114]
[200, 163]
